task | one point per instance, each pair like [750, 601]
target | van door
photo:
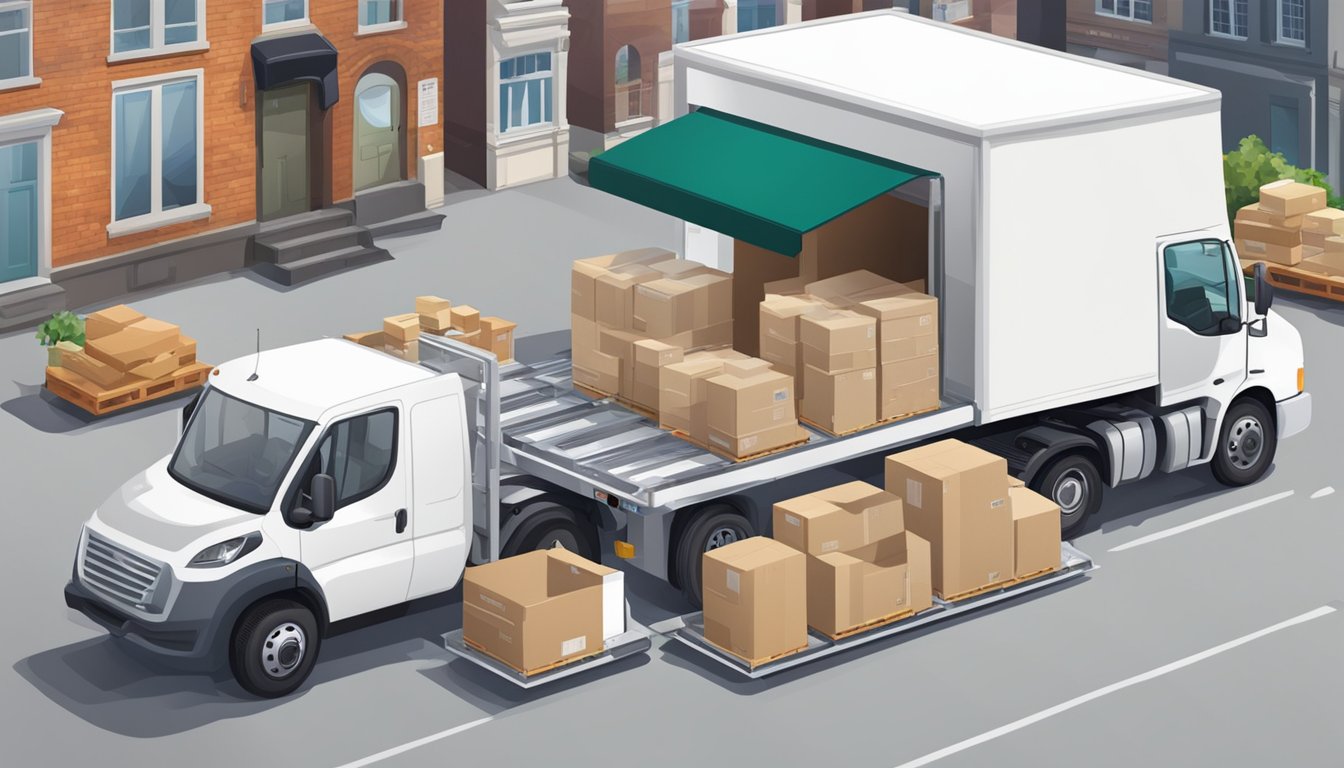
[1203, 336]
[362, 557]
[439, 471]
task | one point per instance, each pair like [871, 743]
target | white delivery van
[1091, 336]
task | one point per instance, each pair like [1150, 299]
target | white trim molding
[21, 128]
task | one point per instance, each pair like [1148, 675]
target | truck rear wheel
[1246, 444]
[1074, 483]
[713, 527]
[274, 647]
[547, 524]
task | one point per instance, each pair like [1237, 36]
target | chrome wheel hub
[721, 537]
[1245, 442]
[282, 653]
[1070, 493]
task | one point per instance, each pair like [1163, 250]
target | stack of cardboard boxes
[123, 347]
[755, 599]
[1292, 226]
[839, 369]
[400, 336]
[750, 409]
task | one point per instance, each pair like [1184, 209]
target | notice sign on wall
[429, 102]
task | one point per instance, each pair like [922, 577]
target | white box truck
[1092, 336]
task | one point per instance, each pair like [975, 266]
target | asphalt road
[1219, 644]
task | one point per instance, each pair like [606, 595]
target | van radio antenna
[257, 365]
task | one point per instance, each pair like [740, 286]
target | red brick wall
[72, 40]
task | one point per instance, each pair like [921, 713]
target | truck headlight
[225, 552]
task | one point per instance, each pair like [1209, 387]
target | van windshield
[236, 452]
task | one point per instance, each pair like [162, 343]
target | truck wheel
[1074, 483]
[274, 647]
[548, 524]
[713, 527]
[1246, 444]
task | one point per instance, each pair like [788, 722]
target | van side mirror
[187, 410]
[1264, 290]
[322, 491]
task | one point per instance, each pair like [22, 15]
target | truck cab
[310, 484]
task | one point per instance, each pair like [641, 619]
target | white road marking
[1326, 491]
[408, 746]
[1135, 680]
[1202, 521]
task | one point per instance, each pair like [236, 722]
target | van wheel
[1074, 483]
[715, 526]
[274, 647]
[1246, 444]
[546, 524]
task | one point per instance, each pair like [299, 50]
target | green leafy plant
[62, 326]
[1252, 165]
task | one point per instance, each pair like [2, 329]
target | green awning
[744, 179]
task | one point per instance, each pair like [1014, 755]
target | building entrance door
[378, 132]
[285, 161]
[18, 211]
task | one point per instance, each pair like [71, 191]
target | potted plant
[61, 331]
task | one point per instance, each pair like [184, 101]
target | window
[379, 13]
[1293, 22]
[681, 21]
[288, 12]
[156, 139]
[757, 14]
[629, 84]
[156, 26]
[359, 454]
[1134, 10]
[1202, 287]
[1284, 132]
[525, 85]
[16, 40]
[1228, 17]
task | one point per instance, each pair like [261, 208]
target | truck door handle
[401, 520]
[1218, 381]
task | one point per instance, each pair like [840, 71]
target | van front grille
[117, 572]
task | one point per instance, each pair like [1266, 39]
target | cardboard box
[907, 324]
[616, 294]
[584, 274]
[683, 395]
[106, 322]
[366, 338]
[663, 308]
[1268, 233]
[836, 341]
[535, 609]
[1036, 536]
[1327, 221]
[789, 286]
[621, 345]
[466, 319]
[497, 336]
[598, 372]
[839, 402]
[406, 350]
[743, 446]
[401, 328]
[908, 386]
[650, 357]
[435, 313]
[713, 298]
[839, 519]
[1254, 213]
[162, 365]
[956, 497]
[96, 371]
[848, 589]
[677, 268]
[749, 400]
[137, 343]
[186, 350]
[755, 598]
[841, 290]
[1290, 198]
[1329, 264]
[779, 315]
[1253, 250]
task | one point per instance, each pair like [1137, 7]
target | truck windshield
[236, 452]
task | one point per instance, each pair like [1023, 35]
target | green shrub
[1252, 165]
[62, 326]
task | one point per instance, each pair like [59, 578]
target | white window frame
[157, 26]
[1231, 21]
[1115, 14]
[540, 126]
[22, 81]
[157, 217]
[22, 128]
[374, 29]
[1278, 26]
[301, 22]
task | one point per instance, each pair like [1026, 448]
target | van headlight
[225, 552]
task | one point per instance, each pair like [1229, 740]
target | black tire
[280, 668]
[1246, 443]
[547, 524]
[1074, 483]
[712, 527]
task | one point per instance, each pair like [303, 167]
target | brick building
[145, 142]
[1122, 32]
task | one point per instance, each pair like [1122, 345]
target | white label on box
[719, 441]
[870, 331]
[490, 601]
[750, 442]
[914, 494]
[781, 394]
[506, 638]
[995, 504]
[779, 414]
[993, 576]
[792, 520]
[574, 570]
[734, 581]
[925, 319]
[573, 645]
[832, 545]
[867, 375]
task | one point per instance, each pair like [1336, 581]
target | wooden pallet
[855, 430]
[754, 663]
[874, 624]
[79, 391]
[530, 672]
[998, 585]
[717, 451]
[1300, 280]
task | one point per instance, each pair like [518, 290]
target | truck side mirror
[1264, 291]
[323, 492]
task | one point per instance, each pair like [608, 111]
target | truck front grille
[118, 572]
